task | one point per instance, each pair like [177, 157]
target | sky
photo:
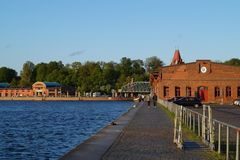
[107, 30]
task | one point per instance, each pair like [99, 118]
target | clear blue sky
[107, 30]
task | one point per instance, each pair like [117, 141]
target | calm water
[47, 130]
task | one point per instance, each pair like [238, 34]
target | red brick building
[210, 81]
[52, 89]
[7, 91]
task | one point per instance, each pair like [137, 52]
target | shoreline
[64, 99]
[97, 145]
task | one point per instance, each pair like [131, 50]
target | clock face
[203, 69]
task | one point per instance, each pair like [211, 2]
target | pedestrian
[147, 98]
[154, 99]
[139, 98]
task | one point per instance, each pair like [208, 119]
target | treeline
[87, 77]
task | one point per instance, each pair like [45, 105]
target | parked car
[188, 101]
[236, 102]
[174, 99]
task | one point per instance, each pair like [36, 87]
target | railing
[227, 139]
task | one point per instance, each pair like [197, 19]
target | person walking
[154, 99]
[147, 98]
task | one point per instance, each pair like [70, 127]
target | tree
[152, 63]
[27, 74]
[41, 72]
[233, 61]
[7, 74]
[126, 66]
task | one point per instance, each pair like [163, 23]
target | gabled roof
[4, 85]
[177, 58]
[52, 84]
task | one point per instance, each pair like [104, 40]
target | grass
[190, 136]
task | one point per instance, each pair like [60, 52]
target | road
[225, 113]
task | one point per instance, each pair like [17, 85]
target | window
[217, 92]
[188, 92]
[238, 91]
[166, 91]
[177, 91]
[228, 91]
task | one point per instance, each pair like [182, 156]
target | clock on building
[203, 69]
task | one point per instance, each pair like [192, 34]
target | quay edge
[98, 144]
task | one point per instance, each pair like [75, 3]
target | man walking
[154, 99]
[147, 98]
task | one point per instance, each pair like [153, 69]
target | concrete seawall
[64, 99]
[142, 133]
[98, 144]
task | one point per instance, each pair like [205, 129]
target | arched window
[217, 92]
[228, 91]
[177, 91]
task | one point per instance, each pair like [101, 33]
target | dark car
[188, 101]
[174, 99]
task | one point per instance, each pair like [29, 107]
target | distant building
[211, 82]
[52, 89]
[7, 91]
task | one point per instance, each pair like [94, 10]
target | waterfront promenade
[150, 136]
[147, 136]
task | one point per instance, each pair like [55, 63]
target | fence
[219, 136]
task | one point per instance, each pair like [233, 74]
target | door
[203, 93]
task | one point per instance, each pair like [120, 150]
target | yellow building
[49, 89]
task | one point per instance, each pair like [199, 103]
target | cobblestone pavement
[149, 136]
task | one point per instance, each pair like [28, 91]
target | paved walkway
[149, 136]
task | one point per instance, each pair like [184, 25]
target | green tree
[27, 74]
[110, 76]
[41, 72]
[14, 82]
[233, 61]
[152, 63]
[126, 66]
[7, 74]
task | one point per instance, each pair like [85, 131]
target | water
[47, 130]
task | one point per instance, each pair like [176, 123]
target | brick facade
[49, 89]
[212, 82]
[16, 92]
